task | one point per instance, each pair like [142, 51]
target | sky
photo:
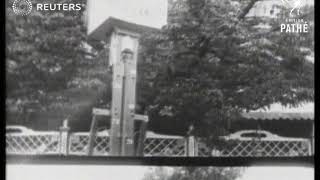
[81, 172]
[151, 13]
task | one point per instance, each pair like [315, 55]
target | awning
[279, 112]
[278, 116]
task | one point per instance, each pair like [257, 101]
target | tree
[158, 173]
[211, 62]
[45, 50]
[194, 173]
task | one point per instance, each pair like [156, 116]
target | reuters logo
[22, 7]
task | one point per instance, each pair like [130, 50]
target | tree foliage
[44, 51]
[212, 62]
[209, 63]
[193, 173]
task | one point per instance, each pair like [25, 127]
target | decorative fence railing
[78, 144]
[161, 145]
[33, 143]
[237, 145]
[271, 146]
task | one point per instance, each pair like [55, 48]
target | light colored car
[15, 129]
[253, 135]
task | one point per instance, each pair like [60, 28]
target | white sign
[101, 112]
[149, 13]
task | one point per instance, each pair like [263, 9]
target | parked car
[252, 135]
[16, 129]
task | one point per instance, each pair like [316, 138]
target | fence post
[141, 138]
[311, 142]
[196, 149]
[92, 135]
[191, 146]
[64, 138]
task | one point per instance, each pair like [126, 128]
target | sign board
[101, 112]
[135, 15]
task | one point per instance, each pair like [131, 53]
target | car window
[261, 135]
[13, 131]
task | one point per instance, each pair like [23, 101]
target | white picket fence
[238, 145]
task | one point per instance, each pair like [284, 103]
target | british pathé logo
[294, 23]
[22, 7]
[294, 26]
[295, 5]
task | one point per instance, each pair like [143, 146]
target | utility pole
[122, 22]
[123, 53]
